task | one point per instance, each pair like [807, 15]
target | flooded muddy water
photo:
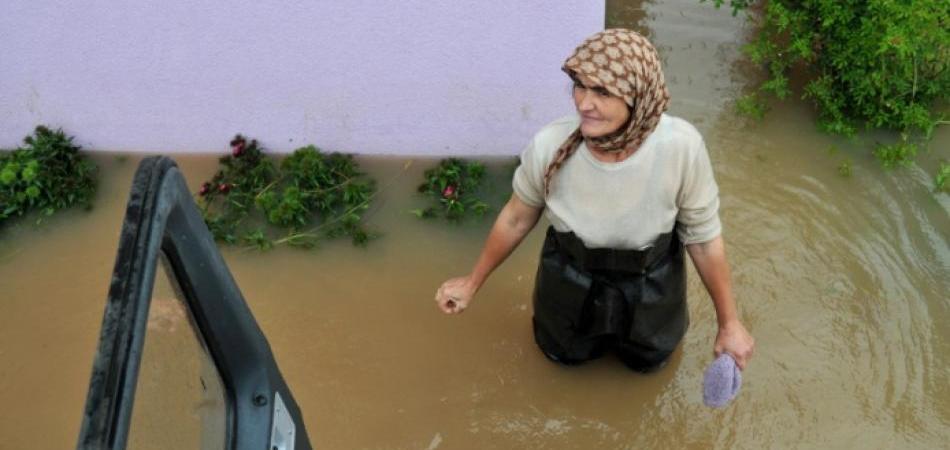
[843, 282]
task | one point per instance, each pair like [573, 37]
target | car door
[181, 362]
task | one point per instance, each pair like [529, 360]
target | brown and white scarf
[627, 65]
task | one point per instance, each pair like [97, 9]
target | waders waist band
[632, 261]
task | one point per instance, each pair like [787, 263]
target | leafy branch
[255, 202]
[453, 187]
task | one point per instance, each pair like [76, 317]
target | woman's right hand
[514, 221]
[454, 295]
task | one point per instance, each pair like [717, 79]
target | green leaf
[7, 176]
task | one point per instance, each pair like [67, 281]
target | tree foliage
[876, 63]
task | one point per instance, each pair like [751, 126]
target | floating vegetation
[47, 174]
[453, 188]
[308, 197]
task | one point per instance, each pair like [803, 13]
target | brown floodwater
[843, 281]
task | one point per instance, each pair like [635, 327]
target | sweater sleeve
[528, 182]
[697, 219]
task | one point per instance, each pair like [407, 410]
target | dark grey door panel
[242, 401]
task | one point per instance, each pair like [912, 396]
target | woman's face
[601, 113]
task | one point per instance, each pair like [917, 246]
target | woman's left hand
[736, 341]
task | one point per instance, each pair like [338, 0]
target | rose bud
[205, 188]
[224, 188]
[449, 191]
[237, 149]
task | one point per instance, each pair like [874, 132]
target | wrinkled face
[601, 113]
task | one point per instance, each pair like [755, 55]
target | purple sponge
[721, 382]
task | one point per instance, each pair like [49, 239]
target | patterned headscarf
[627, 66]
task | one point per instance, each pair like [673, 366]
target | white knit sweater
[625, 205]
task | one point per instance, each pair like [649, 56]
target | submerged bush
[942, 179]
[47, 174]
[453, 187]
[876, 63]
[310, 196]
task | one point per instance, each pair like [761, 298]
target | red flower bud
[449, 191]
[237, 149]
[224, 188]
[205, 188]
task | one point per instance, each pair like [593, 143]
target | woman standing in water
[625, 188]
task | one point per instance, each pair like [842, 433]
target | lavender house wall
[411, 77]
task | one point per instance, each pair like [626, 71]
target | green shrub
[47, 174]
[309, 197]
[453, 187]
[942, 179]
[901, 153]
[871, 63]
